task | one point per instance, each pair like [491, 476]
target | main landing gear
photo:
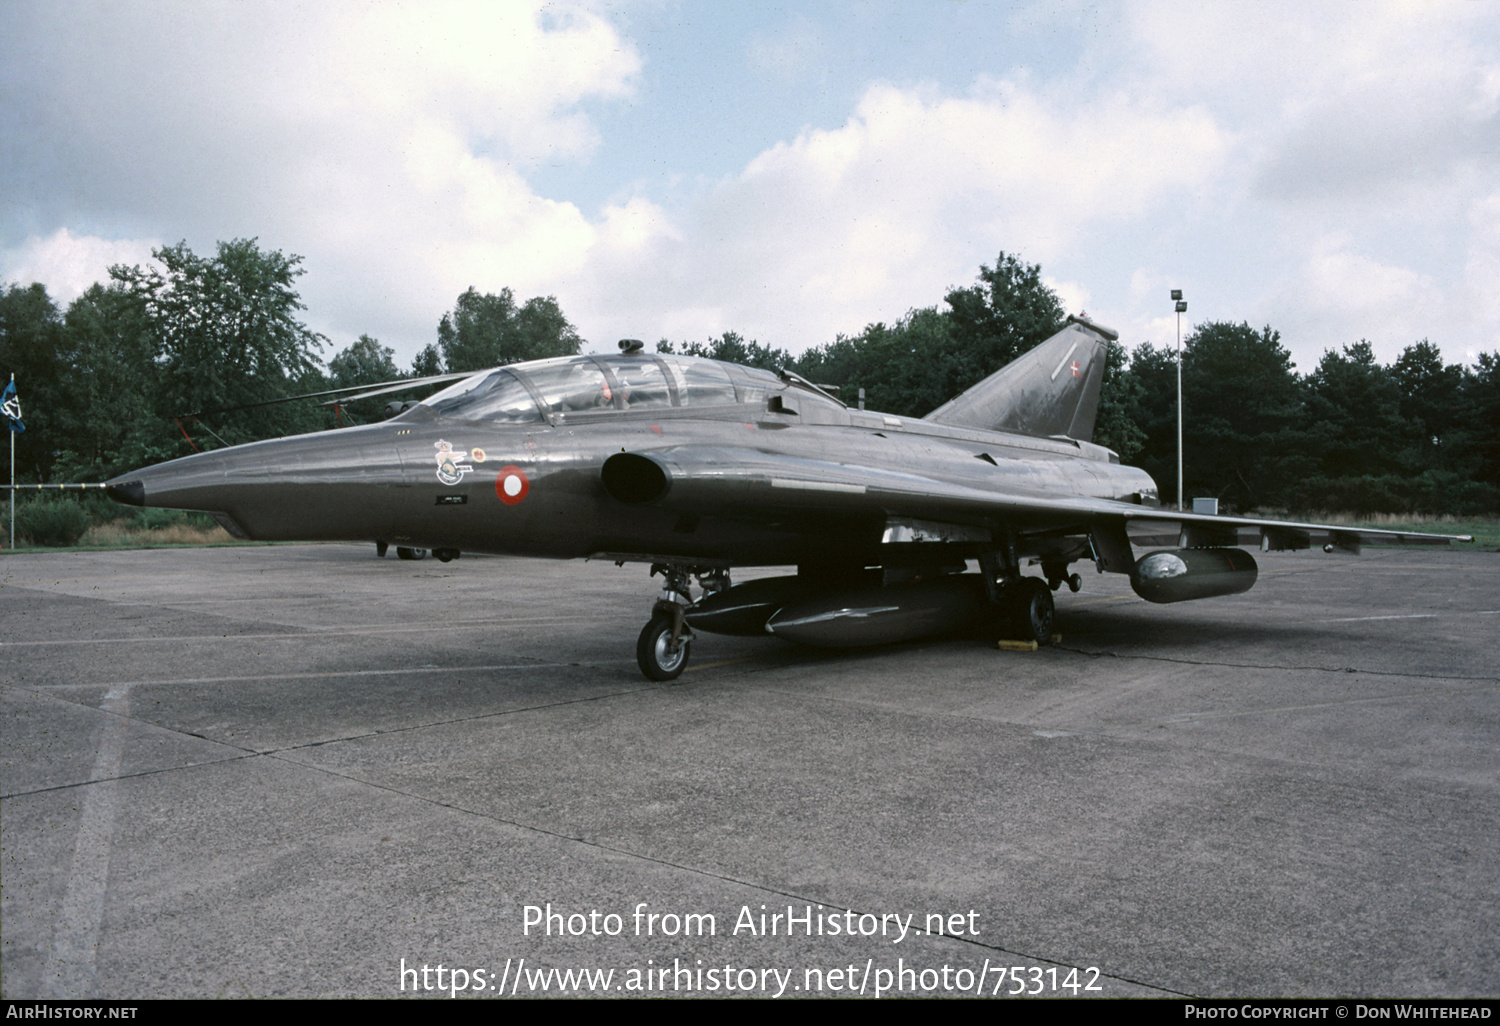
[1023, 605]
[1027, 606]
[662, 649]
[406, 552]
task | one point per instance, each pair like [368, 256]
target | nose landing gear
[662, 649]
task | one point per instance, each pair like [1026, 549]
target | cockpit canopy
[575, 386]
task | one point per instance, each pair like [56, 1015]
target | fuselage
[509, 461]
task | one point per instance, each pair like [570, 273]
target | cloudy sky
[788, 171]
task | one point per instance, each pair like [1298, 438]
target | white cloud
[1342, 295]
[841, 227]
[493, 71]
[1480, 289]
[1365, 135]
[1341, 105]
[1074, 297]
[68, 264]
[406, 153]
[388, 145]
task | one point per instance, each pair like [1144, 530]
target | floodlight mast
[1181, 307]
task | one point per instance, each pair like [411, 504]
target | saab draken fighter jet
[696, 467]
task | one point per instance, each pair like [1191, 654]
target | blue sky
[791, 172]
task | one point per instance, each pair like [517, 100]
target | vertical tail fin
[1052, 390]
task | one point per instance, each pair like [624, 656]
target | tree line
[195, 353]
[192, 352]
[1417, 436]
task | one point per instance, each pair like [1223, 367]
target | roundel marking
[511, 485]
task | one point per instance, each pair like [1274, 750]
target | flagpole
[12, 474]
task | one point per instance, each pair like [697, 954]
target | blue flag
[12, 406]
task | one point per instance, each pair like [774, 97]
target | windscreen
[496, 396]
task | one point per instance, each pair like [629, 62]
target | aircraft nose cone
[187, 483]
[128, 493]
[335, 484]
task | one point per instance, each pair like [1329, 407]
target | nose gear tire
[654, 654]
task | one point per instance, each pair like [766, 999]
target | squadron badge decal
[451, 466]
[511, 485]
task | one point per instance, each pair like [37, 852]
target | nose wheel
[661, 654]
[662, 649]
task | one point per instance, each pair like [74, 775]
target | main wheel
[406, 553]
[1032, 609]
[653, 651]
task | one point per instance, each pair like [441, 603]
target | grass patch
[90, 522]
[118, 534]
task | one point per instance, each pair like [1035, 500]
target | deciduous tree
[227, 335]
[1007, 312]
[366, 362]
[30, 340]
[110, 377]
[732, 347]
[485, 330]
